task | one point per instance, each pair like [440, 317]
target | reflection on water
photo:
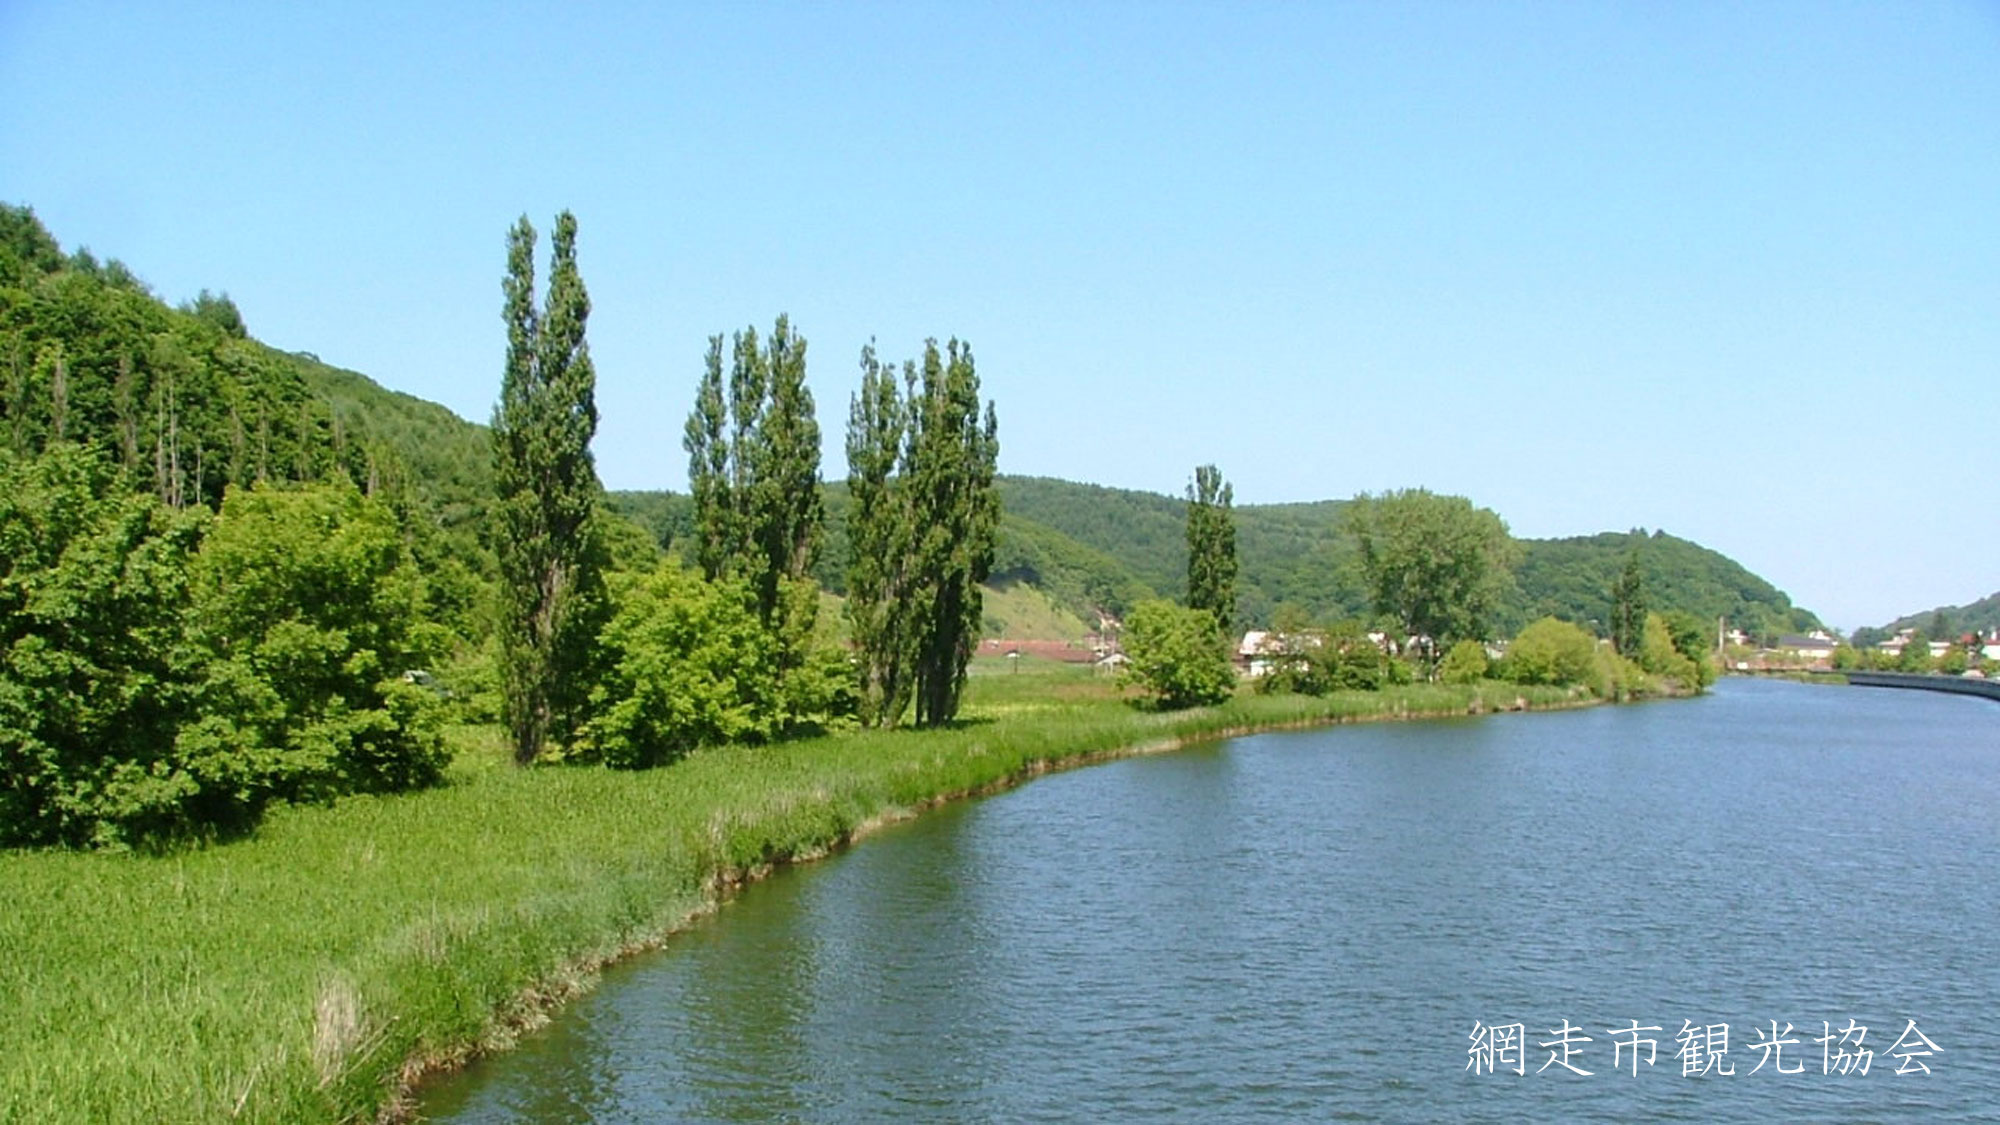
[1308, 925]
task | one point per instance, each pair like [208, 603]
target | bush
[308, 616]
[94, 677]
[1178, 654]
[1464, 664]
[1341, 658]
[687, 664]
[1659, 655]
[168, 674]
[1552, 652]
[1693, 639]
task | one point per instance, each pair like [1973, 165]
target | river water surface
[1313, 926]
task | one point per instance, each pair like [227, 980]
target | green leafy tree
[1916, 655]
[706, 438]
[1434, 564]
[687, 664]
[1555, 652]
[881, 535]
[922, 530]
[753, 472]
[753, 464]
[1178, 655]
[953, 450]
[219, 311]
[1464, 664]
[170, 674]
[1628, 608]
[1211, 546]
[1659, 655]
[547, 495]
[308, 613]
[94, 674]
[1693, 640]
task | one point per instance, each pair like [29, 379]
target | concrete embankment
[1919, 681]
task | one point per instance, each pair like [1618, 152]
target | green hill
[1982, 616]
[1296, 554]
[190, 403]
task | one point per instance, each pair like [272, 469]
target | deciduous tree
[1178, 654]
[1434, 564]
[920, 468]
[545, 535]
[1211, 543]
[1628, 608]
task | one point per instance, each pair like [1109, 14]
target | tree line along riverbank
[313, 971]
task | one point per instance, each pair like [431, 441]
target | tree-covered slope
[1572, 578]
[187, 402]
[1940, 622]
[1296, 554]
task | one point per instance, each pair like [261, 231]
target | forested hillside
[188, 403]
[1982, 616]
[1296, 555]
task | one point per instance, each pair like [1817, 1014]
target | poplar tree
[753, 466]
[753, 471]
[546, 535]
[957, 516]
[785, 504]
[706, 440]
[922, 529]
[879, 532]
[1628, 608]
[1211, 543]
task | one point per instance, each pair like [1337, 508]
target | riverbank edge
[535, 1004]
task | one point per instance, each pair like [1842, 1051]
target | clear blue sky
[1731, 270]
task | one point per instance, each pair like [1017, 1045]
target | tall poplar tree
[922, 530]
[1628, 608]
[550, 560]
[785, 504]
[879, 533]
[957, 517]
[1211, 543]
[753, 465]
[707, 443]
[753, 470]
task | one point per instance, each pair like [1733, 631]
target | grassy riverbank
[298, 975]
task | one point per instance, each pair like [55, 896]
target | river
[1341, 924]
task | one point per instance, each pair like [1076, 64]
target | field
[306, 973]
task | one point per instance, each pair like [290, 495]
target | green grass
[293, 975]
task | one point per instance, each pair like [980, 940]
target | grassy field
[303, 974]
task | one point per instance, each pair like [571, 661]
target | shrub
[1179, 655]
[93, 672]
[308, 616]
[1552, 652]
[687, 664]
[1464, 664]
[168, 674]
